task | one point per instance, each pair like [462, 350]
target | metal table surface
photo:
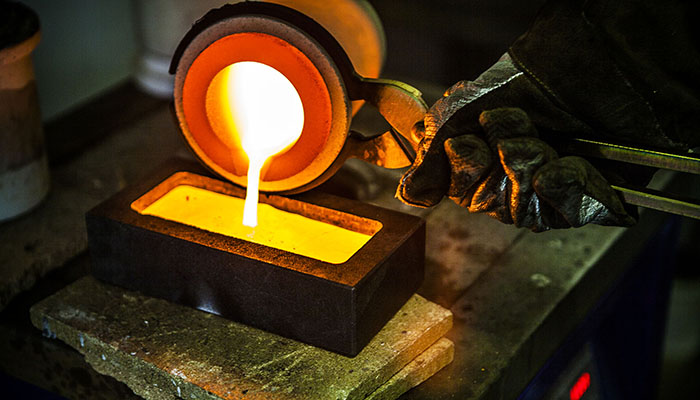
[515, 295]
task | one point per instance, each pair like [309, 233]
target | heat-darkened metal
[335, 306]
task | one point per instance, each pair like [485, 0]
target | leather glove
[493, 162]
[499, 166]
[519, 179]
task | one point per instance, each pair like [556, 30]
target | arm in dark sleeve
[618, 71]
[630, 69]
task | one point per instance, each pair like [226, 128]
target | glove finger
[491, 196]
[580, 193]
[428, 179]
[470, 159]
[506, 123]
[520, 158]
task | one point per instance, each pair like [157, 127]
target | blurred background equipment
[24, 176]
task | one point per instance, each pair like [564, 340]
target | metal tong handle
[643, 197]
[402, 106]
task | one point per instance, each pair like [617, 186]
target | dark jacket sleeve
[630, 69]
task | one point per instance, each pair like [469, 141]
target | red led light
[579, 389]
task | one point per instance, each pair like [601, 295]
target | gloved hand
[488, 158]
[500, 167]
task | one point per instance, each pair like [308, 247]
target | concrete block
[166, 351]
[421, 368]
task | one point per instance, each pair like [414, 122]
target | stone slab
[421, 368]
[164, 351]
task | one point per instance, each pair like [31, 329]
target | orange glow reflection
[257, 113]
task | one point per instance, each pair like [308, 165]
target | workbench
[516, 296]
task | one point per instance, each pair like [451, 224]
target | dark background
[444, 41]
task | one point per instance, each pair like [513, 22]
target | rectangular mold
[320, 233]
[336, 306]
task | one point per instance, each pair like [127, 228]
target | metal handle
[656, 200]
[402, 106]
[643, 197]
[689, 163]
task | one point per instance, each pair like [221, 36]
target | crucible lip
[314, 171]
[286, 59]
[395, 227]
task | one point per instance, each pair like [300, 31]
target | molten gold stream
[256, 112]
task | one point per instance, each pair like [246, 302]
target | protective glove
[519, 179]
[494, 162]
[499, 166]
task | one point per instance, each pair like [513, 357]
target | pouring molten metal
[263, 117]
